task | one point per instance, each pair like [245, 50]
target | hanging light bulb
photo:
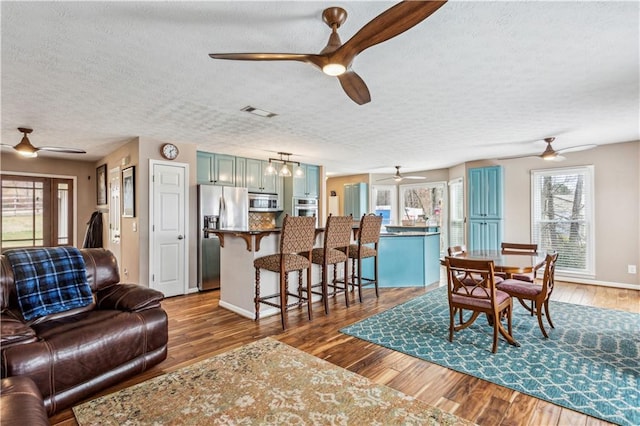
[270, 170]
[284, 170]
[298, 172]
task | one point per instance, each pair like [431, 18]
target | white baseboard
[596, 282]
[248, 314]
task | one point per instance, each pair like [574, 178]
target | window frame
[50, 238]
[444, 208]
[589, 216]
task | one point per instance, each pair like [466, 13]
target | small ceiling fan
[336, 58]
[26, 149]
[399, 177]
[551, 154]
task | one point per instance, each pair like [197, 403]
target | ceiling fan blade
[65, 150]
[413, 177]
[383, 179]
[388, 24]
[576, 148]
[355, 87]
[318, 60]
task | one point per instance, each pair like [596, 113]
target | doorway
[168, 239]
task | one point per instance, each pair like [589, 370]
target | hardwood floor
[198, 329]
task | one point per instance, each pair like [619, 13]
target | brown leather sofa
[21, 403]
[73, 354]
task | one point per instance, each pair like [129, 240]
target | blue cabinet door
[485, 193]
[485, 234]
[356, 199]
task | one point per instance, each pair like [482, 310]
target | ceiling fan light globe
[28, 154]
[334, 69]
[549, 156]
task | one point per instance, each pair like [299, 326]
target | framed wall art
[128, 192]
[101, 185]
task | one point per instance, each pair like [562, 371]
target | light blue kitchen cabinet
[356, 199]
[485, 193]
[485, 208]
[256, 179]
[309, 185]
[241, 172]
[485, 234]
[218, 169]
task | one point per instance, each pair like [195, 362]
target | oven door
[306, 211]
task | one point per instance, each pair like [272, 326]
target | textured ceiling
[475, 80]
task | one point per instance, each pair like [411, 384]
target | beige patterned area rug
[263, 383]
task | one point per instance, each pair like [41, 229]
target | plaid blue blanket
[49, 280]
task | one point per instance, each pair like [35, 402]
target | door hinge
[153, 277]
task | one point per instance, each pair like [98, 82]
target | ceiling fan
[336, 58]
[551, 154]
[26, 149]
[399, 177]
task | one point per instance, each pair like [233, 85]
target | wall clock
[169, 151]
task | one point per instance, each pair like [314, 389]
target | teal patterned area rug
[590, 363]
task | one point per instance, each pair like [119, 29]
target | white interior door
[168, 208]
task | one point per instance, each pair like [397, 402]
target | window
[425, 202]
[456, 213]
[36, 211]
[562, 217]
[384, 198]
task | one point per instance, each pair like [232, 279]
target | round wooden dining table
[506, 263]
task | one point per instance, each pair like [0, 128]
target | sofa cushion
[49, 280]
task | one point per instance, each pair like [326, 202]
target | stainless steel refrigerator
[219, 207]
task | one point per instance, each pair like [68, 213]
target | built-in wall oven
[305, 207]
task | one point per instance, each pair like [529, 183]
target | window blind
[562, 216]
[456, 216]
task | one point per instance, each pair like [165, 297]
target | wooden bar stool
[337, 236]
[298, 235]
[366, 247]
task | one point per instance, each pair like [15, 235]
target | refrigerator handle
[223, 213]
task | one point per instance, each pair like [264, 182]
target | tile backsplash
[261, 221]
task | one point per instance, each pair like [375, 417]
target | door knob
[180, 237]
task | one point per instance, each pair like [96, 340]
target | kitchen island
[405, 259]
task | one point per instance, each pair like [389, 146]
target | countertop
[243, 231]
[407, 234]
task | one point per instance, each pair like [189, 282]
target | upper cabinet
[356, 199]
[485, 193]
[241, 172]
[218, 169]
[256, 179]
[307, 186]
[485, 208]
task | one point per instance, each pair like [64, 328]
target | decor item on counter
[336, 58]
[101, 185]
[26, 149]
[284, 170]
[129, 192]
[263, 382]
[582, 365]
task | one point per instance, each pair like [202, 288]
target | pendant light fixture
[284, 170]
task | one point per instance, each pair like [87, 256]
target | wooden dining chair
[524, 249]
[457, 250]
[461, 251]
[537, 294]
[366, 247]
[337, 236]
[481, 297]
[297, 235]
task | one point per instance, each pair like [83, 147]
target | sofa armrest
[14, 331]
[128, 297]
[22, 402]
